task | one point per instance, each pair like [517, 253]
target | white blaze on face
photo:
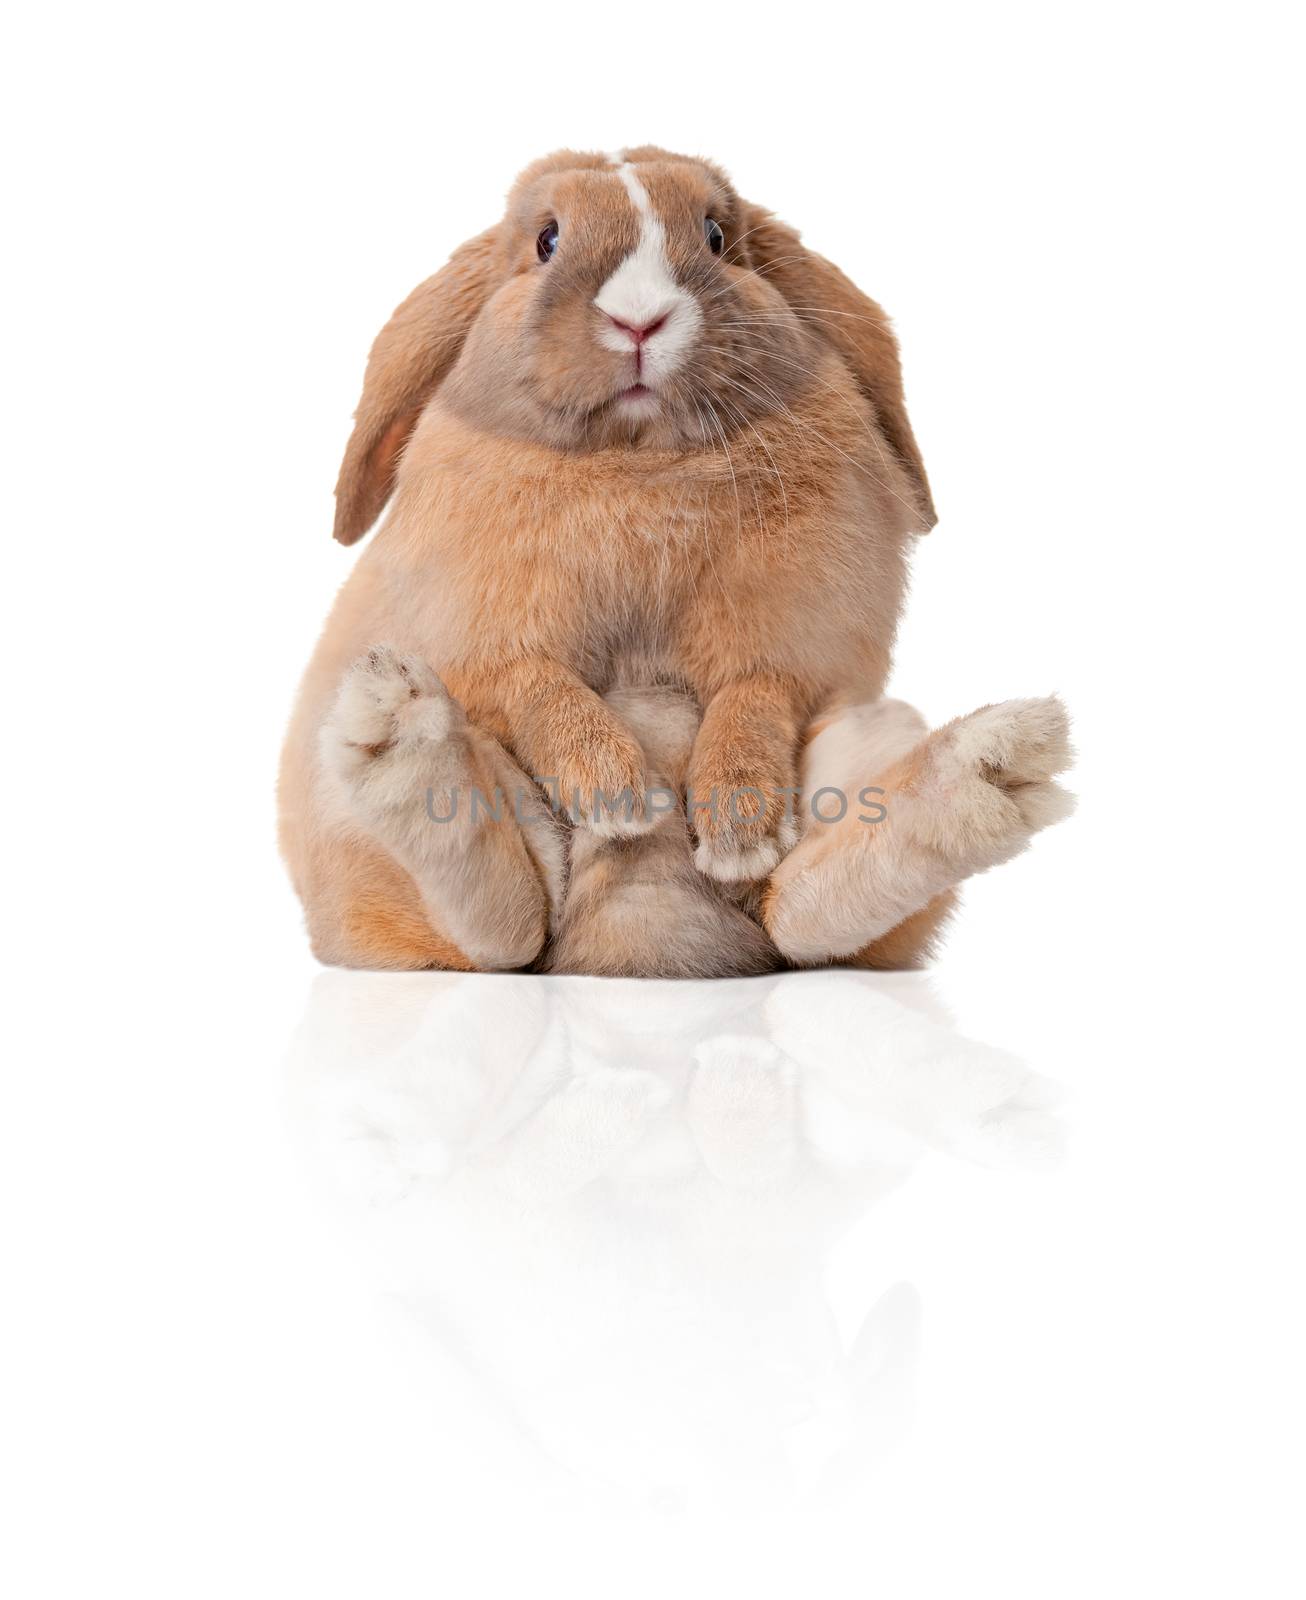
[643, 291]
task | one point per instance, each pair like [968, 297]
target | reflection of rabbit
[636, 434]
[615, 1202]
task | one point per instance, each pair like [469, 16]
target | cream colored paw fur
[386, 701]
[968, 797]
[727, 862]
[406, 768]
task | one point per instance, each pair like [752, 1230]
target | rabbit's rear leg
[364, 910]
[447, 803]
[962, 800]
[914, 941]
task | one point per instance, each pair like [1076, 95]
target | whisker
[739, 514]
[824, 312]
[707, 519]
[871, 433]
[822, 438]
[740, 240]
[775, 470]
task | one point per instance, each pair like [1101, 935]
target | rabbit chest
[691, 567]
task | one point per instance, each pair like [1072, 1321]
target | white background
[290, 1314]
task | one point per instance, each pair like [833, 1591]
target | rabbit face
[629, 312]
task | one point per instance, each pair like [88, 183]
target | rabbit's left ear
[833, 306]
[413, 353]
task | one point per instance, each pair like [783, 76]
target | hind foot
[967, 798]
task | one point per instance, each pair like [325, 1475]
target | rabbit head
[624, 302]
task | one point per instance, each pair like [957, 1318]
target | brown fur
[821, 295]
[366, 912]
[913, 942]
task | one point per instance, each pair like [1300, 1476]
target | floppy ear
[836, 308]
[412, 354]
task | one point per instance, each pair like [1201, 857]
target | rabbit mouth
[638, 402]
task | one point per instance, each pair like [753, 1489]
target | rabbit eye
[547, 242]
[716, 240]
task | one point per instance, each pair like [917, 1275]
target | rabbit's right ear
[412, 355]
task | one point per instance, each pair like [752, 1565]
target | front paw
[604, 787]
[744, 828]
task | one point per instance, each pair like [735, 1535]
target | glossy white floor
[984, 1281]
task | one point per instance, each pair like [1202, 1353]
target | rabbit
[652, 488]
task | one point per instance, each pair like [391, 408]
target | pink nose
[637, 334]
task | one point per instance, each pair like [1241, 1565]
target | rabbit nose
[637, 332]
